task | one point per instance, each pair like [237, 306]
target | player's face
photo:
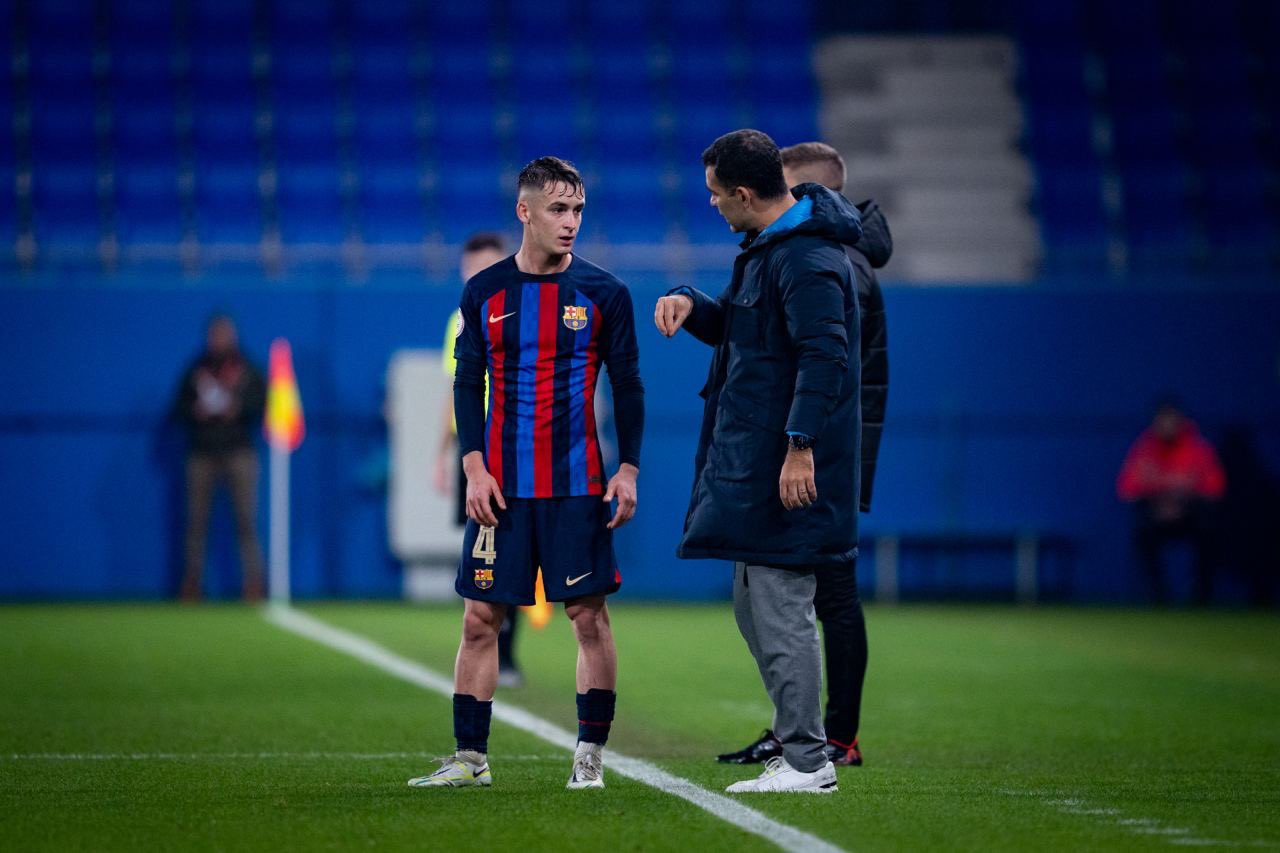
[474, 262]
[732, 204]
[552, 217]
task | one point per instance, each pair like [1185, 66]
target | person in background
[836, 602]
[479, 252]
[1173, 478]
[221, 400]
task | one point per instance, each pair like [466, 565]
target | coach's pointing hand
[482, 490]
[671, 312]
[623, 487]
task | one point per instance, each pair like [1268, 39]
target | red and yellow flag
[283, 425]
[540, 612]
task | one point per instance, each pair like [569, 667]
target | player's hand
[623, 487]
[482, 491]
[796, 485]
[671, 312]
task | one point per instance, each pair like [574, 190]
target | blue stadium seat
[310, 204]
[470, 198]
[451, 23]
[305, 130]
[228, 204]
[629, 203]
[226, 131]
[64, 131]
[222, 69]
[391, 205]
[144, 130]
[65, 205]
[148, 205]
[384, 74]
[388, 132]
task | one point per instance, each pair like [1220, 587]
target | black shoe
[843, 754]
[756, 753]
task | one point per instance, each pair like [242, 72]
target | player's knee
[590, 625]
[479, 628]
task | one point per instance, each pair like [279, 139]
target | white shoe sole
[578, 786]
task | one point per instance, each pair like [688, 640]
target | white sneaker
[457, 771]
[779, 776]
[588, 767]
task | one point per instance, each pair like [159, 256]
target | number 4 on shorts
[485, 549]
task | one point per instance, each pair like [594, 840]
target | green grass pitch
[161, 727]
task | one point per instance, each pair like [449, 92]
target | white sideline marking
[730, 811]
[237, 756]
[1179, 835]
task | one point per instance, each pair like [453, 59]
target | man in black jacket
[776, 472]
[844, 630]
[221, 399]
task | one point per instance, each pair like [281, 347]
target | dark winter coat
[869, 254]
[221, 400]
[783, 332]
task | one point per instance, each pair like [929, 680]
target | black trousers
[844, 639]
[1152, 534]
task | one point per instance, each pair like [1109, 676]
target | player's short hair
[482, 240]
[747, 158]
[546, 172]
[818, 159]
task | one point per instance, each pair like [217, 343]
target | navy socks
[595, 715]
[471, 722]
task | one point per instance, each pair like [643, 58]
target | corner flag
[284, 426]
[284, 430]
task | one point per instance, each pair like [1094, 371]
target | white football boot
[781, 777]
[588, 767]
[457, 771]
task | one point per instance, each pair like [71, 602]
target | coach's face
[732, 204]
[552, 217]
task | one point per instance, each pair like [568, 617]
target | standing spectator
[776, 473]
[1174, 479]
[221, 400]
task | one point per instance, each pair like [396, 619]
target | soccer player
[541, 323]
[479, 252]
[844, 630]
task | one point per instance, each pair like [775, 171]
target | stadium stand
[1130, 138]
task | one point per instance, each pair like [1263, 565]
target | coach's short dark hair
[484, 240]
[747, 158]
[547, 172]
[825, 160]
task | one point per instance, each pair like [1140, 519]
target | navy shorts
[566, 537]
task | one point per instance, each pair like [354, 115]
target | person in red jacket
[1173, 477]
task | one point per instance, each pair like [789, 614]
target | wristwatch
[799, 441]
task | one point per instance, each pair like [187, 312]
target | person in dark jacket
[221, 400]
[776, 472]
[844, 629]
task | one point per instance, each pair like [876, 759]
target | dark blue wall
[1009, 409]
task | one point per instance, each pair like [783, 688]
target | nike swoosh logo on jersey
[493, 319]
[568, 581]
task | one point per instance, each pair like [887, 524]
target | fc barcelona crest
[484, 578]
[575, 317]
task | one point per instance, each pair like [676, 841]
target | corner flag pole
[279, 537]
[284, 430]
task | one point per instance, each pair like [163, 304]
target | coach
[776, 479]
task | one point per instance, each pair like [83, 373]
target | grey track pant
[774, 610]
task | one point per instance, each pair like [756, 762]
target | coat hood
[834, 217]
[876, 243]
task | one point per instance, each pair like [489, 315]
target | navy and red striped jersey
[543, 340]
